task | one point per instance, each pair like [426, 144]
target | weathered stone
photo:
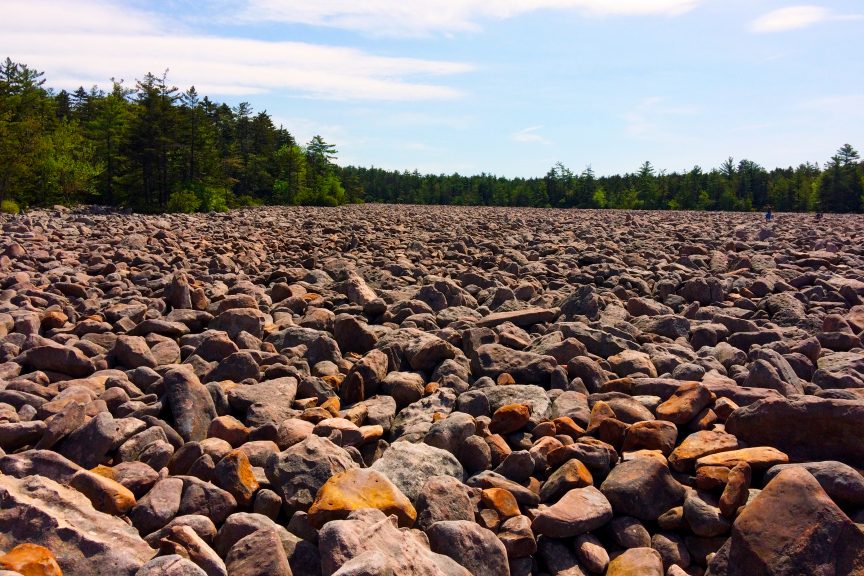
[39, 511]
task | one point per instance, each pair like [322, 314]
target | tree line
[152, 148]
[838, 186]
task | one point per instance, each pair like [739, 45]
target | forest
[153, 148]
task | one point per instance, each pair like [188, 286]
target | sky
[507, 87]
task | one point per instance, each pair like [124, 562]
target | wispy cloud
[650, 117]
[422, 17]
[89, 41]
[796, 17]
[530, 135]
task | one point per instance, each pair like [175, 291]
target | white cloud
[530, 135]
[649, 119]
[796, 17]
[88, 42]
[420, 17]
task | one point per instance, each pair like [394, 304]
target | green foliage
[213, 199]
[9, 207]
[183, 201]
[599, 197]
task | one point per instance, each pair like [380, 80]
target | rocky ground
[375, 390]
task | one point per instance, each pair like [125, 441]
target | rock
[643, 488]
[510, 418]
[758, 458]
[133, 352]
[105, 494]
[522, 318]
[56, 358]
[636, 562]
[591, 553]
[579, 511]
[258, 554]
[158, 506]
[371, 532]
[300, 471]
[703, 516]
[526, 368]
[190, 403]
[409, 465]
[355, 489]
[699, 444]
[475, 548]
[234, 474]
[805, 428]
[170, 565]
[39, 511]
[90, 444]
[685, 403]
[791, 527]
[518, 538]
[842, 483]
[31, 560]
[572, 474]
[270, 401]
[443, 498]
[736, 492]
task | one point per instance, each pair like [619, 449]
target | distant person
[769, 216]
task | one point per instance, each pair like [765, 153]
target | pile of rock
[430, 391]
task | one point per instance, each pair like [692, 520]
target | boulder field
[431, 391]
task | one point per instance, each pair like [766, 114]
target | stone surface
[643, 488]
[39, 511]
[204, 377]
[358, 488]
[791, 527]
[579, 511]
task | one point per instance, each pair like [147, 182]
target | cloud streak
[795, 18]
[88, 42]
[424, 17]
[530, 135]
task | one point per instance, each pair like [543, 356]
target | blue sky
[507, 87]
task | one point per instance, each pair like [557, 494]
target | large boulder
[643, 488]
[791, 527]
[40, 511]
[368, 539]
[408, 466]
[525, 367]
[300, 471]
[807, 428]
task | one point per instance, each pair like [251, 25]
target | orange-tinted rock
[332, 405]
[685, 403]
[229, 429]
[759, 458]
[510, 418]
[106, 494]
[359, 488]
[566, 426]
[234, 474]
[700, 444]
[737, 489]
[712, 477]
[599, 412]
[651, 435]
[571, 474]
[791, 527]
[31, 560]
[636, 562]
[500, 500]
